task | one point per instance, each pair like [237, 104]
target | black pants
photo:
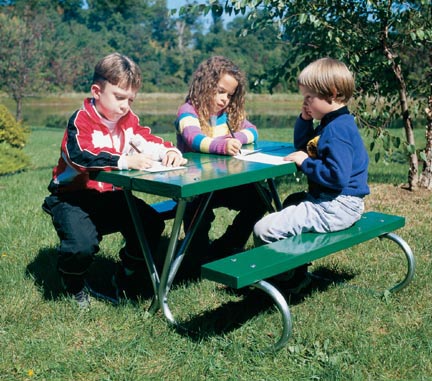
[82, 218]
[250, 206]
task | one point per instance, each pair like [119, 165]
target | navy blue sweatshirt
[339, 162]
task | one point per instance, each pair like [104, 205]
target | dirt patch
[414, 205]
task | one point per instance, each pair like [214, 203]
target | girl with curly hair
[213, 120]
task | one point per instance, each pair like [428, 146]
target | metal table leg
[173, 259]
[154, 276]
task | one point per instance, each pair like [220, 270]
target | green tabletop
[203, 173]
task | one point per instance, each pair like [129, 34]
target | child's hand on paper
[233, 146]
[139, 161]
[297, 157]
[173, 159]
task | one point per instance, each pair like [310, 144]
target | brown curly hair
[204, 88]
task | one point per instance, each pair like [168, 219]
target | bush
[11, 131]
[56, 121]
[13, 137]
[12, 159]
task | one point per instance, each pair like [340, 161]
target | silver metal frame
[282, 305]
[174, 258]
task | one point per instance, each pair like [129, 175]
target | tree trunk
[426, 175]
[181, 26]
[18, 110]
[413, 178]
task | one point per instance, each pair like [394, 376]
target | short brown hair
[329, 79]
[118, 70]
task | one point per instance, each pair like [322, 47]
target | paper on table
[245, 152]
[262, 158]
[158, 167]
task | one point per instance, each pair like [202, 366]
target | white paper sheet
[260, 157]
[245, 152]
[158, 167]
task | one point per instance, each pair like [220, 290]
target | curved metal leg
[283, 308]
[410, 261]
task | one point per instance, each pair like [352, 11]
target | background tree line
[53, 46]
[388, 45]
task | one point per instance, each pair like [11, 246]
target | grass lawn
[342, 331]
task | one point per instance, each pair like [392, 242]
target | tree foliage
[53, 46]
[73, 35]
[387, 44]
[21, 62]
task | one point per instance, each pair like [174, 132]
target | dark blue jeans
[82, 218]
[250, 206]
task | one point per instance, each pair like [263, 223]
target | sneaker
[294, 281]
[128, 286]
[220, 249]
[298, 283]
[83, 299]
[74, 285]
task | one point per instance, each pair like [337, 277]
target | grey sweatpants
[322, 214]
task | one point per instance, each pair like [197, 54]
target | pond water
[155, 110]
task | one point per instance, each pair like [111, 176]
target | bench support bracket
[283, 308]
[410, 261]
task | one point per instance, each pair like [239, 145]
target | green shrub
[56, 121]
[13, 137]
[11, 131]
[12, 159]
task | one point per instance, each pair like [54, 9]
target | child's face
[112, 102]
[226, 88]
[317, 107]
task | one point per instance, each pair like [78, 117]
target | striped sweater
[191, 138]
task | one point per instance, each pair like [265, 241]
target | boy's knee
[75, 263]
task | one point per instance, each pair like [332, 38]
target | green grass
[341, 332]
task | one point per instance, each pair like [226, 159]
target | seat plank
[263, 262]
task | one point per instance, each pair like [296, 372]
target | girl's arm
[194, 139]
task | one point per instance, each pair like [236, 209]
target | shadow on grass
[232, 315]
[43, 271]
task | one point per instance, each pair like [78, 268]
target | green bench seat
[252, 267]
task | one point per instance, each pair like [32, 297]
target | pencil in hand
[134, 147]
[232, 134]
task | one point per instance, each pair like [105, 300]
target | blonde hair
[329, 78]
[203, 89]
[118, 70]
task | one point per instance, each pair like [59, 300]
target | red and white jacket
[88, 146]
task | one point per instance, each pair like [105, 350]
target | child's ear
[95, 90]
[334, 94]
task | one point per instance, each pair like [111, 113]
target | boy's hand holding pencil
[142, 161]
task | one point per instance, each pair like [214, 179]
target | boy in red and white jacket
[101, 136]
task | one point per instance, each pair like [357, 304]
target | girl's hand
[297, 157]
[233, 146]
[139, 161]
[173, 159]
